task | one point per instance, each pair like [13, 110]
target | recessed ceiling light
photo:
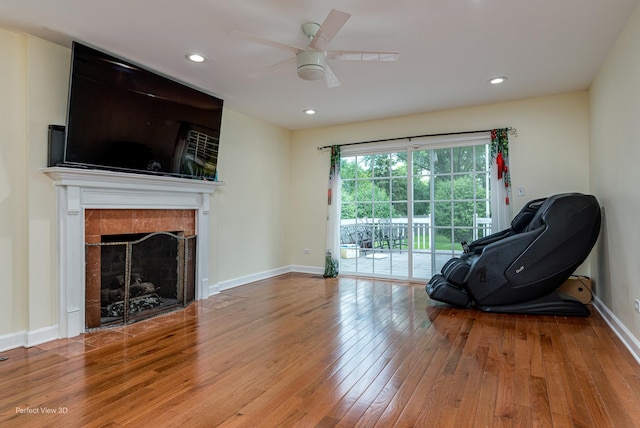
[497, 80]
[309, 111]
[196, 57]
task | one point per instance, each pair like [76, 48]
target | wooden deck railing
[386, 234]
[394, 233]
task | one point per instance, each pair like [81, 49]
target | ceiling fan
[312, 60]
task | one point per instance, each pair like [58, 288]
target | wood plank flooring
[299, 350]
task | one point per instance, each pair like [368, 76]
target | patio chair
[390, 235]
[364, 236]
[347, 234]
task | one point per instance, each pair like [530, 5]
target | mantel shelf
[64, 176]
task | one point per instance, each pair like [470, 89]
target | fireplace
[139, 263]
[94, 206]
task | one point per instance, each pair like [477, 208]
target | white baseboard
[12, 340]
[623, 333]
[244, 280]
[308, 269]
[41, 335]
[28, 339]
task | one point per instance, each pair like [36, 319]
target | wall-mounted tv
[121, 116]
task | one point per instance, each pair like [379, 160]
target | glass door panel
[374, 215]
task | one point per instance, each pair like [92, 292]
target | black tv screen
[121, 116]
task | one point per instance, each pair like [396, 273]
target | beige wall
[549, 155]
[34, 83]
[253, 207]
[615, 154]
[13, 186]
[46, 94]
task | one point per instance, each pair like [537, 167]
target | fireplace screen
[143, 275]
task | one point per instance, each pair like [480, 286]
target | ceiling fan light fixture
[311, 72]
[311, 65]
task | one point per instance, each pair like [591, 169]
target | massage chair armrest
[478, 245]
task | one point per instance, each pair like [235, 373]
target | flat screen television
[121, 116]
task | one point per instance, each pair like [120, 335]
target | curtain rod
[513, 131]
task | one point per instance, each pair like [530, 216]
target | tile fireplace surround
[127, 197]
[109, 222]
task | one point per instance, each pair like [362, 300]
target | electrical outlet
[306, 251]
[520, 190]
[636, 305]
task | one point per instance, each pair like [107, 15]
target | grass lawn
[442, 243]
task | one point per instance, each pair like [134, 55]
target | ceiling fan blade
[329, 28]
[272, 67]
[330, 77]
[363, 55]
[260, 40]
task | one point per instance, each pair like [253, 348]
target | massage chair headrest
[548, 204]
[526, 214]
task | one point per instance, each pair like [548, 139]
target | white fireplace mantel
[79, 189]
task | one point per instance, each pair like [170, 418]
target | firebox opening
[143, 275]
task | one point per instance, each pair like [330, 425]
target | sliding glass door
[404, 213]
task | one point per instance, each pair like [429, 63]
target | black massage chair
[519, 269]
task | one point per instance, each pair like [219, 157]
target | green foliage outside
[375, 186]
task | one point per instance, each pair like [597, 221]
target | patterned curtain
[331, 265]
[500, 180]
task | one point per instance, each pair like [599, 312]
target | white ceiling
[448, 49]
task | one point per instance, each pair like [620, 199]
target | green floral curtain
[331, 266]
[500, 179]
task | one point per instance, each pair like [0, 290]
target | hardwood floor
[299, 350]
